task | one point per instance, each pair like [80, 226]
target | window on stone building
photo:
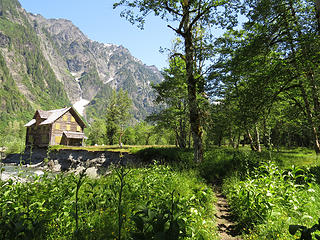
[57, 139]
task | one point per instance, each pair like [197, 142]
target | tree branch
[284, 88]
[298, 104]
[178, 55]
[200, 14]
[177, 30]
[171, 10]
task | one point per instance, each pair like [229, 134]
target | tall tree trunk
[252, 145]
[238, 140]
[257, 138]
[148, 138]
[195, 118]
[231, 139]
[314, 130]
[120, 137]
[244, 140]
[183, 134]
[177, 137]
[219, 141]
[314, 90]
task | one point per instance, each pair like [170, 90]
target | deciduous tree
[275, 59]
[172, 93]
[186, 17]
[117, 114]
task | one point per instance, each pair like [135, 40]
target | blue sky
[100, 22]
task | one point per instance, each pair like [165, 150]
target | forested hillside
[27, 80]
[47, 64]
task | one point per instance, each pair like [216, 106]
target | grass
[297, 157]
[111, 148]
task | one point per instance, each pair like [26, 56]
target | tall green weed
[154, 200]
[271, 199]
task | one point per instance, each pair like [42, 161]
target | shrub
[173, 156]
[267, 202]
[220, 163]
[155, 200]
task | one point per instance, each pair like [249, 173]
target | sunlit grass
[302, 159]
[285, 157]
[110, 148]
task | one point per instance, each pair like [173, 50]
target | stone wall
[70, 160]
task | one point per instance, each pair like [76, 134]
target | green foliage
[172, 92]
[174, 156]
[270, 199]
[220, 163]
[96, 132]
[39, 78]
[164, 223]
[267, 72]
[40, 83]
[27, 208]
[140, 134]
[12, 136]
[146, 134]
[45, 207]
[14, 104]
[117, 114]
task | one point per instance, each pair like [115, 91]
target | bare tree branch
[176, 30]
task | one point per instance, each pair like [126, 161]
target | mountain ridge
[56, 56]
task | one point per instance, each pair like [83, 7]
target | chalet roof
[33, 121]
[53, 115]
[74, 135]
[43, 114]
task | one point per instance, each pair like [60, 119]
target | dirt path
[226, 227]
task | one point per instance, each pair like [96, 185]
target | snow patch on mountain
[80, 105]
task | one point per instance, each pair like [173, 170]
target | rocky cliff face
[83, 70]
[89, 69]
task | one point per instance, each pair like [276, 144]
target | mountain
[47, 63]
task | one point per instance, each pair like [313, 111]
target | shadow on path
[227, 228]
